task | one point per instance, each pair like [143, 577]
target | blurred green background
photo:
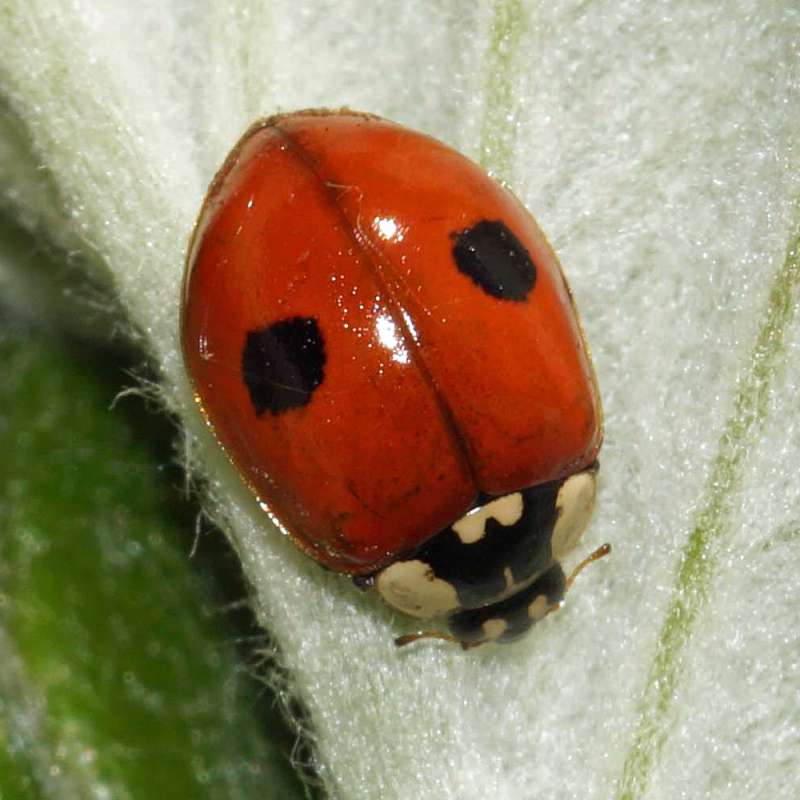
[130, 660]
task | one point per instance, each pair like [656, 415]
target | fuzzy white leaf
[657, 144]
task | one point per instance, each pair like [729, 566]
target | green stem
[498, 129]
[712, 524]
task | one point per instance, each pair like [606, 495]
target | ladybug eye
[282, 364]
[495, 260]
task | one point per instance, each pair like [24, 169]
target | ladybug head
[497, 570]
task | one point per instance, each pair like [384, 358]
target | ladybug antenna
[601, 551]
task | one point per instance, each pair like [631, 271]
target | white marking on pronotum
[574, 506]
[509, 578]
[412, 587]
[494, 628]
[506, 510]
[538, 609]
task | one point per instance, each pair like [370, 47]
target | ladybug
[384, 345]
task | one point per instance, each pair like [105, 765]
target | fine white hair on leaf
[657, 145]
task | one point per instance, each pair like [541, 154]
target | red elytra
[324, 259]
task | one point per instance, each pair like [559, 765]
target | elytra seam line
[372, 255]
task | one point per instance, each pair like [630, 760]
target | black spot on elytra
[495, 260]
[282, 364]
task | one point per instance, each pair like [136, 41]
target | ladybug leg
[601, 552]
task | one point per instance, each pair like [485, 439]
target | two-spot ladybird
[384, 344]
